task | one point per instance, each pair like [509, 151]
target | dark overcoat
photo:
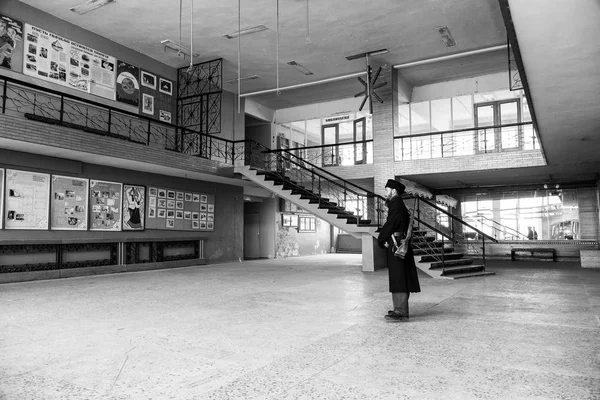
[402, 272]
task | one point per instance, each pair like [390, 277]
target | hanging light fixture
[239, 69]
[307, 26]
[191, 67]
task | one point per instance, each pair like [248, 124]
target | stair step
[429, 250]
[338, 210]
[428, 239]
[451, 263]
[461, 269]
[471, 274]
[321, 200]
[434, 258]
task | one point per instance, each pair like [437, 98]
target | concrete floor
[302, 328]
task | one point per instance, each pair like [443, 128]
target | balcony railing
[465, 142]
[47, 105]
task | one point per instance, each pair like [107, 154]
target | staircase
[441, 259]
[441, 250]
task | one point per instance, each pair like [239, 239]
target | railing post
[148, 134]
[62, 108]
[483, 248]
[4, 96]
[109, 120]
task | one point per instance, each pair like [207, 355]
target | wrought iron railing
[450, 230]
[337, 154]
[368, 207]
[498, 231]
[464, 142]
[43, 104]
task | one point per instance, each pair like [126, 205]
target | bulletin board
[26, 200]
[179, 210]
[69, 203]
[105, 206]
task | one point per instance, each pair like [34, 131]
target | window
[289, 220]
[307, 223]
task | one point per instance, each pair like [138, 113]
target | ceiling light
[244, 78]
[368, 53]
[300, 68]
[90, 5]
[447, 38]
[246, 31]
[181, 50]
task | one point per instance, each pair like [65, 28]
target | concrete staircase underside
[325, 210]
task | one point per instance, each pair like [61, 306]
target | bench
[532, 250]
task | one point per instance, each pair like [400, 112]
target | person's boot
[395, 316]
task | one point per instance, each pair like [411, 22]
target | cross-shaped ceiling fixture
[371, 83]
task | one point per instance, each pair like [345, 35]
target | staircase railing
[499, 230]
[450, 230]
[368, 207]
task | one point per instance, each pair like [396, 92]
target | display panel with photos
[27, 200]
[179, 210]
[60, 60]
[105, 206]
[134, 206]
[69, 203]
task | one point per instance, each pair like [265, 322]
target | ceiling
[557, 42]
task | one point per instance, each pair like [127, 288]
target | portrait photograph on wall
[105, 206]
[69, 203]
[148, 80]
[128, 86]
[147, 104]
[11, 43]
[134, 206]
[27, 200]
[165, 87]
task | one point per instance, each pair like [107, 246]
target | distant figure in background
[529, 233]
[535, 236]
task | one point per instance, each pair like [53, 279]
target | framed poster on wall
[134, 207]
[27, 200]
[105, 205]
[69, 203]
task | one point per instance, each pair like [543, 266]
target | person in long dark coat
[402, 273]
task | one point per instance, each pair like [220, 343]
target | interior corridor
[302, 328]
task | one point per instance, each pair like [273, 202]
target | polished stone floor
[302, 328]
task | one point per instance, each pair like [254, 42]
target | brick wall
[83, 144]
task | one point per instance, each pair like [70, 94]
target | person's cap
[395, 185]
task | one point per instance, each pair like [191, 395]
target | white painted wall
[318, 110]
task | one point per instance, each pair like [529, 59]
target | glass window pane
[403, 120]
[509, 114]
[421, 147]
[464, 143]
[462, 112]
[298, 134]
[441, 115]
[420, 121]
[346, 132]
[485, 137]
[398, 149]
[313, 132]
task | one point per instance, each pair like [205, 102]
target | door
[486, 138]
[251, 236]
[330, 136]
[360, 134]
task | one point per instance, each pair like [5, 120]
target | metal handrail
[475, 128]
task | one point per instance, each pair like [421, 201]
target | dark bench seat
[532, 250]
